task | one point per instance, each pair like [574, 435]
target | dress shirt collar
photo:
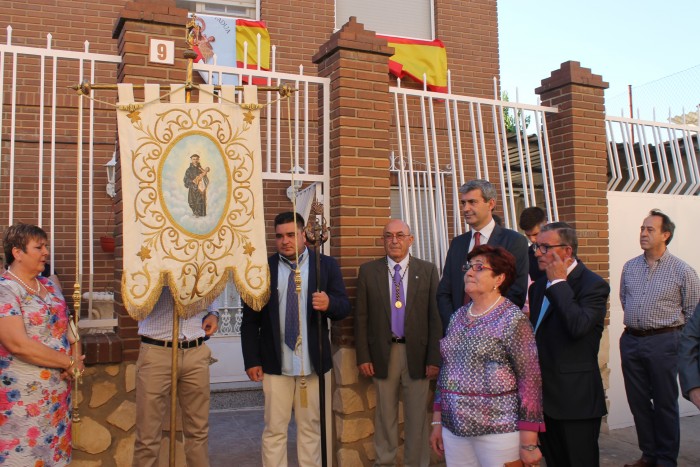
[568, 271]
[662, 259]
[403, 263]
[485, 232]
[302, 258]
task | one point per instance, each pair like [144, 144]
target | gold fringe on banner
[193, 203]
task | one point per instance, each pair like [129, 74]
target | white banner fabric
[192, 201]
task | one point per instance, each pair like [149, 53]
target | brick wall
[579, 157]
[469, 31]
[70, 24]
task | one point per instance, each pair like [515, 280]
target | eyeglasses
[478, 267]
[544, 248]
[399, 237]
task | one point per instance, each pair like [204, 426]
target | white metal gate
[54, 146]
[444, 140]
[650, 165]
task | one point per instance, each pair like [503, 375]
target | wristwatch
[529, 447]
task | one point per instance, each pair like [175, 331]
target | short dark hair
[17, 236]
[667, 224]
[289, 216]
[566, 233]
[488, 191]
[500, 260]
[531, 217]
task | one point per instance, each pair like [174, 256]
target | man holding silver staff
[280, 345]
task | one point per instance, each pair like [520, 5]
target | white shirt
[159, 323]
[485, 234]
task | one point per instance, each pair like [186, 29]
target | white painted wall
[627, 211]
[230, 367]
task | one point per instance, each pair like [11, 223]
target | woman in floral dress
[36, 361]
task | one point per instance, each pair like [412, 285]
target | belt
[398, 340]
[181, 344]
[651, 332]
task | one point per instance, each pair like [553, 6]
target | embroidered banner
[192, 198]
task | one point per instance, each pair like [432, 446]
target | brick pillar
[578, 142]
[138, 22]
[357, 62]
[579, 157]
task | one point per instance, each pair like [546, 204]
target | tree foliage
[509, 119]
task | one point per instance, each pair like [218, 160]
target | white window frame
[359, 8]
[200, 6]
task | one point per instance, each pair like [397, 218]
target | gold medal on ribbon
[398, 304]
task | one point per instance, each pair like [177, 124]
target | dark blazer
[422, 326]
[568, 340]
[451, 289]
[689, 354]
[260, 331]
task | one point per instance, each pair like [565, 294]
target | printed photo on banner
[225, 40]
[194, 184]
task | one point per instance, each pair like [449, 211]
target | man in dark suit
[477, 200]
[567, 309]
[280, 343]
[397, 334]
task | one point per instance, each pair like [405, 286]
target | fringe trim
[253, 300]
[139, 312]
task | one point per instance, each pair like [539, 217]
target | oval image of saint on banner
[193, 184]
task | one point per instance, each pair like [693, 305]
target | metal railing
[57, 144]
[444, 140]
[653, 157]
[53, 169]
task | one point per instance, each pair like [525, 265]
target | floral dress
[35, 404]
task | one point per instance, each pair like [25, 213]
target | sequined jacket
[490, 377]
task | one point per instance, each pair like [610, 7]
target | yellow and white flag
[192, 197]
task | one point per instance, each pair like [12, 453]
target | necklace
[38, 284]
[479, 315]
[397, 285]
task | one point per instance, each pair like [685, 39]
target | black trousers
[650, 371]
[571, 443]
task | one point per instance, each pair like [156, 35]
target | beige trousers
[281, 396]
[415, 404]
[153, 378]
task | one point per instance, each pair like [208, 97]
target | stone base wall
[354, 401]
[106, 432]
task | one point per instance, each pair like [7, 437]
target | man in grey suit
[397, 335]
[477, 199]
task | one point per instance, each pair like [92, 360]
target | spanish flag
[247, 31]
[415, 57]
